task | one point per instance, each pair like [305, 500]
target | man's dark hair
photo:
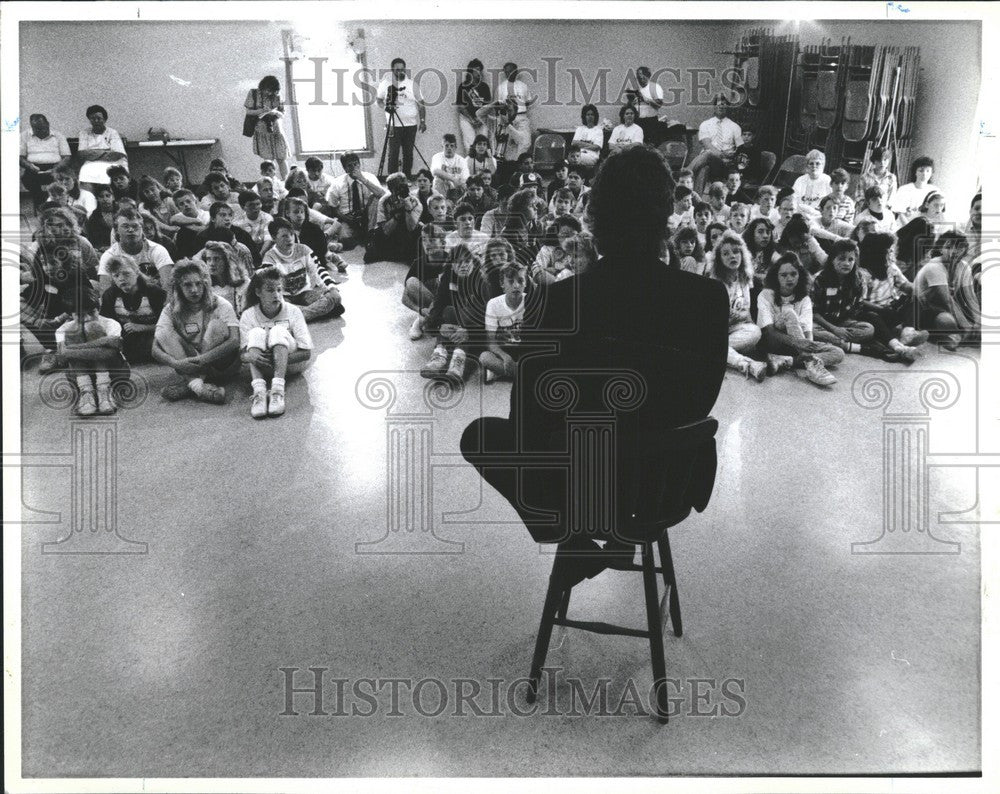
[630, 203]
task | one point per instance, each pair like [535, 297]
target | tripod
[390, 132]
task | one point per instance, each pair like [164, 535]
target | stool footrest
[599, 627]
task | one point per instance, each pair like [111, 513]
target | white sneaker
[817, 373]
[258, 404]
[752, 369]
[417, 329]
[489, 375]
[105, 402]
[911, 337]
[437, 364]
[776, 363]
[275, 403]
[86, 406]
[456, 370]
[907, 354]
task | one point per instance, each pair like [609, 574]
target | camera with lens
[391, 98]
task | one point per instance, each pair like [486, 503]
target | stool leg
[655, 631]
[670, 580]
[553, 598]
[564, 605]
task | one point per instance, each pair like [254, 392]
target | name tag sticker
[191, 328]
[831, 291]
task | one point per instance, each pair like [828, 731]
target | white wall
[192, 77]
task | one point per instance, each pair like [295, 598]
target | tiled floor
[169, 663]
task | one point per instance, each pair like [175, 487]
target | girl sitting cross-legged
[197, 336]
[888, 296]
[459, 316]
[785, 318]
[837, 309]
[275, 339]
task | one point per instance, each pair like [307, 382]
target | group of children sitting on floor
[206, 284]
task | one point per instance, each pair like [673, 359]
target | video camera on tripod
[391, 99]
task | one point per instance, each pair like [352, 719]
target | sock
[84, 383]
[852, 347]
[103, 379]
[259, 385]
[195, 385]
[895, 344]
[278, 384]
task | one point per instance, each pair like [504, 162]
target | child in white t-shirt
[319, 182]
[504, 321]
[716, 197]
[767, 196]
[449, 169]
[552, 257]
[91, 347]
[255, 221]
[191, 216]
[683, 209]
[274, 337]
[812, 186]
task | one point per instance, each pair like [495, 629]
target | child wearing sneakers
[503, 322]
[197, 336]
[733, 266]
[459, 315]
[275, 341]
[91, 345]
[837, 294]
[421, 281]
[785, 319]
[304, 283]
[888, 294]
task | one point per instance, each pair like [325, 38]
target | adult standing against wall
[42, 150]
[473, 94]
[720, 137]
[99, 148]
[649, 100]
[399, 96]
[520, 126]
[269, 142]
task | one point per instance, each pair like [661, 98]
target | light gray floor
[167, 664]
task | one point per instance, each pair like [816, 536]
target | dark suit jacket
[663, 327]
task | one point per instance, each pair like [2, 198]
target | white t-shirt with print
[150, 259]
[503, 321]
[454, 166]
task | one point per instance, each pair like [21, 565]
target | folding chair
[675, 153]
[549, 149]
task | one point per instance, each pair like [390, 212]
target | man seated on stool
[626, 313]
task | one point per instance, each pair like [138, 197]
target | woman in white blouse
[589, 136]
[626, 134]
[99, 147]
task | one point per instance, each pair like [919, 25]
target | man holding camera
[397, 224]
[404, 109]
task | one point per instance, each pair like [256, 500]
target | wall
[192, 77]
[948, 92]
